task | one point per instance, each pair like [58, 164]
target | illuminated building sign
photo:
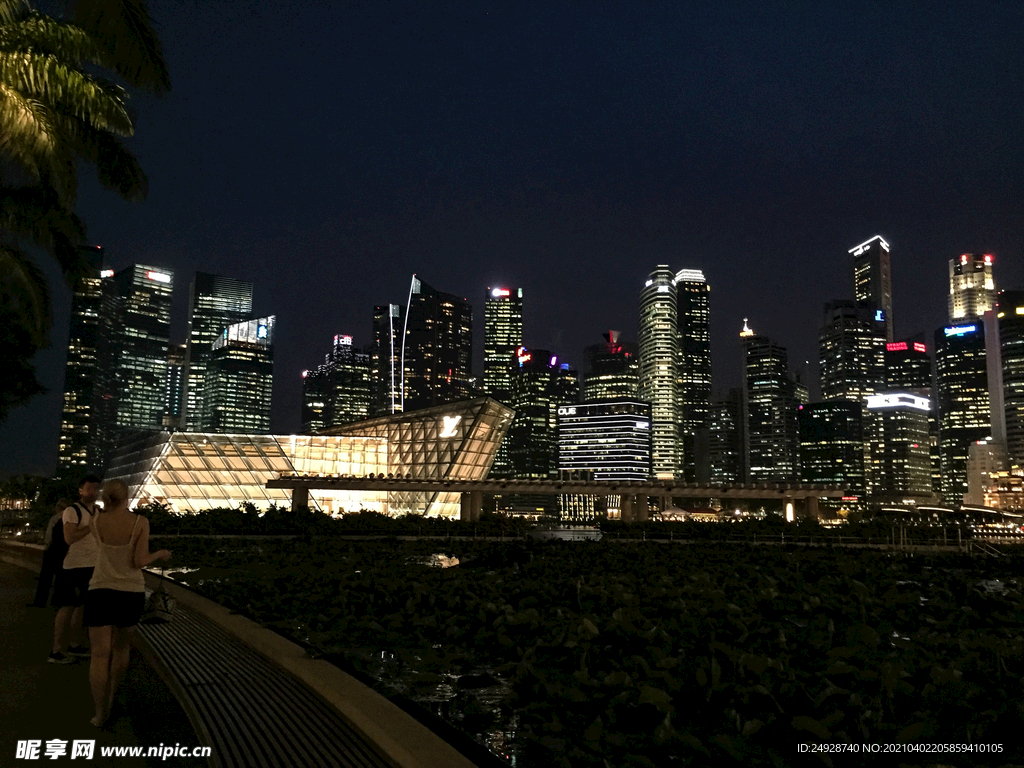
[496, 292]
[261, 332]
[960, 330]
[879, 316]
[523, 356]
[858, 250]
[107, 273]
[345, 341]
[554, 361]
[569, 410]
[450, 423]
[897, 400]
[160, 277]
[919, 347]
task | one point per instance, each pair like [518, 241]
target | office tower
[1010, 315]
[693, 318]
[899, 463]
[539, 386]
[386, 360]
[134, 331]
[972, 289]
[602, 440]
[659, 365]
[337, 391]
[908, 367]
[80, 372]
[961, 384]
[851, 348]
[503, 335]
[174, 387]
[872, 278]
[770, 411]
[987, 465]
[240, 379]
[437, 348]
[214, 303]
[725, 444]
[832, 447]
[611, 369]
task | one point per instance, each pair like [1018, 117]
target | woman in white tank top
[117, 592]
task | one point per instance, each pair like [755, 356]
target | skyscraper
[725, 432]
[693, 318]
[135, 324]
[437, 348]
[961, 381]
[872, 278]
[611, 369]
[337, 391]
[908, 367]
[659, 364]
[503, 335]
[214, 303]
[240, 379]
[174, 391]
[832, 445]
[1010, 315]
[851, 347]
[972, 289]
[899, 466]
[81, 369]
[386, 360]
[771, 432]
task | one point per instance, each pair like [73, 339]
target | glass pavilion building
[194, 471]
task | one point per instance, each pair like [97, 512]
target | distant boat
[567, 533]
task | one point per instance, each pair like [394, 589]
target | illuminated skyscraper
[832, 446]
[908, 367]
[437, 348]
[961, 380]
[135, 324]
[338, 391]
[80, 372]
[771, 432]
[611, 369]
[725, 444]
[872, 278]
[972, 289]
[503, 335]
[240, 379]
[899, 466]
[693, 319]
[659, 366]
[851, 348]
[386, 360]
[174, 392]
[1010, 315]
[214, 302]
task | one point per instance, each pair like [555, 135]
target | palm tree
[54, 116]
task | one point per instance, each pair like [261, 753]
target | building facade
[503, 335]
[337, 391]
[174, 390]
[972, 288]
[611, 370]
[832, 442]
[725, 443]
[240, 379]
[134, 331]
[80, 372]
[851, 350]
[961, 383]
[770, 430]
[437, 348]
[386, 360]
[214, 303]
[659, 364]
[872, 278]
[1010, 316]
[899, 462]
[693, 323]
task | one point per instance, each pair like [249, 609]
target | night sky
[327, 153]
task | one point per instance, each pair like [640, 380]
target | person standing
[117, 593]
[54, 550]
[73, 578]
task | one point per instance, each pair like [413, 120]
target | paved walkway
[45, 701]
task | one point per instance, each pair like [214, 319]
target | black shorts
[113, 608]
[70, 587]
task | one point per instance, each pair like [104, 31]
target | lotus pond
[655, 654]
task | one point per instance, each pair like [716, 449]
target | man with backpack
[73, 578]
[54, 549]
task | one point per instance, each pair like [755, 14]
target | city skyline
[696, 137]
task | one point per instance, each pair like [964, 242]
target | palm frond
[126, 30]
[26, 129]
[116, 167]
[24, 292]
[35, 214]
[45, 78]
[46, 35]
[12, 10]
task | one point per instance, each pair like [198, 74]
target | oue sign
[450, 423]
[567, 411]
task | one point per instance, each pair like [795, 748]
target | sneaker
[59, 658]
[79, 650]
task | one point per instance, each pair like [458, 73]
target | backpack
[59, 547]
